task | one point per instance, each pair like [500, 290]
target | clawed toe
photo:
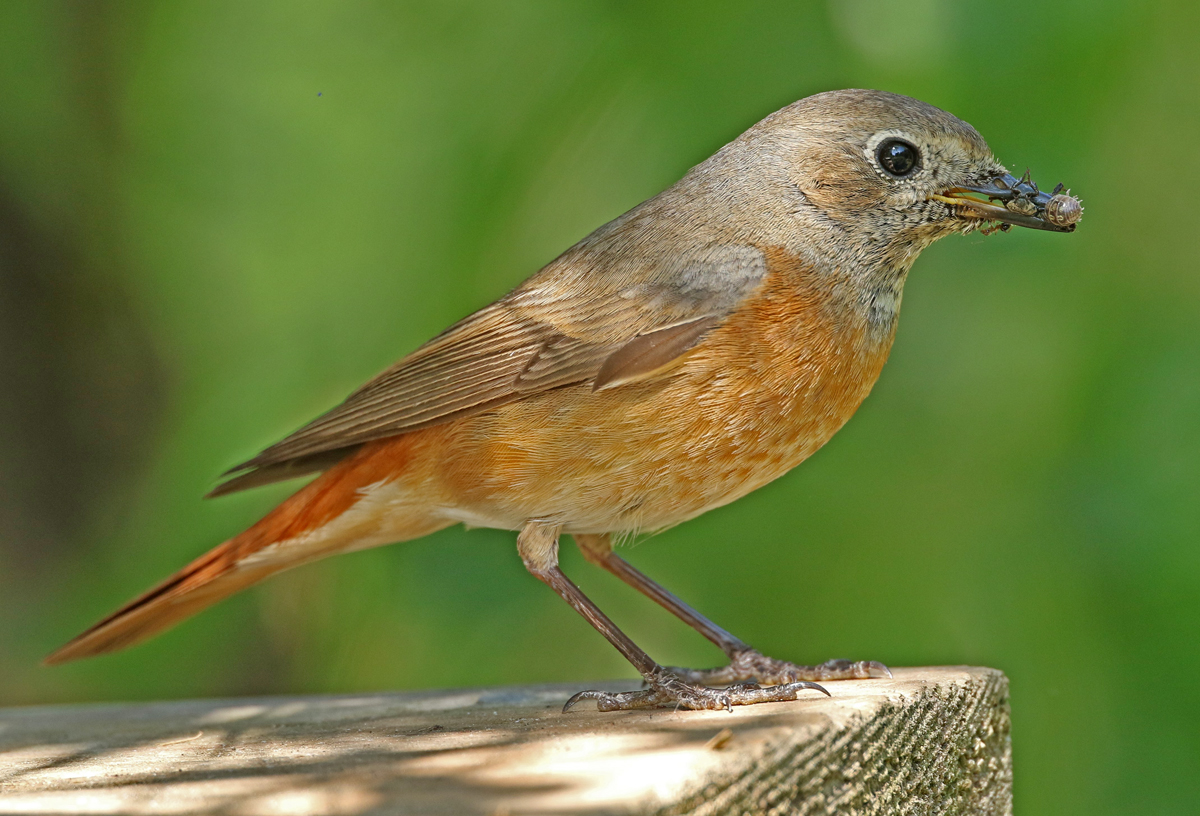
[752, 665]
[671, 691]
[612, 701]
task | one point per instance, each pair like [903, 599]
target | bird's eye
[898, 157]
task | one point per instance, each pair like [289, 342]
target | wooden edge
[934, 737]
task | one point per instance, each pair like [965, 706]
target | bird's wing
[565, 326]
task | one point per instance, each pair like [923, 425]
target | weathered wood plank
[932, 740]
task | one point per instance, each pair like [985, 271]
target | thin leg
[538, 546]
[745, 662]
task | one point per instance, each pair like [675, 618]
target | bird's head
[892, 170]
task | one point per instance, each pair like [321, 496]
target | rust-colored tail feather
[228, 568]
[210, 578]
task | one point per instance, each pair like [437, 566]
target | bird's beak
[1016, 201]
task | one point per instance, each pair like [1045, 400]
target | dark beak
[1017, 201]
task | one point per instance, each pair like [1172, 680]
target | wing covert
[557, 329]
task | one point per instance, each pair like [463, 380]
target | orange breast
[759, 395]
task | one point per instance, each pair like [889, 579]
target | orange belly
[758, 396]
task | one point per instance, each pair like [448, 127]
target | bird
[677, 358]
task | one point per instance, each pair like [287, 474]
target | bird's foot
[666, 689]
[752, 665]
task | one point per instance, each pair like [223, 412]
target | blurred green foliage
[216, 219]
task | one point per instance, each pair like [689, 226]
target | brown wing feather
[470, 367]
[556, 330]
[649, 353]
[481, 364]
[282, 471]
[490, 358]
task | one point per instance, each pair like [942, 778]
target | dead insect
[1063, 209]
[1024, 206]
[1022, 197]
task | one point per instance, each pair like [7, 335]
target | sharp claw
[876, 669]
[583, 695]
[814, 686]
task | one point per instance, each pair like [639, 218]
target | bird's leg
[745, 662]
[538, 546]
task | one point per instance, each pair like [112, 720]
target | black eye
[898, 157]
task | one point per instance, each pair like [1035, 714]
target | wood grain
[930, 741]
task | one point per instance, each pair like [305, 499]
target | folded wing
[559, 329]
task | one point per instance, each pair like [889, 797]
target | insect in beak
[1013, 201]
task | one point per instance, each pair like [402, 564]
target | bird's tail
[327, 516]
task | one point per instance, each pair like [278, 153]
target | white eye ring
[879, 143]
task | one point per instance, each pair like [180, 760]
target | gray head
[886, 173]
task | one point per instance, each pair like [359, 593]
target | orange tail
[299, 530]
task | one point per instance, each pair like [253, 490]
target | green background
[217, 219]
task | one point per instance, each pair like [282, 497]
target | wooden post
[929, 741]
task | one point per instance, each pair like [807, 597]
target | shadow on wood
[932, 740]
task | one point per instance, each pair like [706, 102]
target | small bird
[684, 354]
